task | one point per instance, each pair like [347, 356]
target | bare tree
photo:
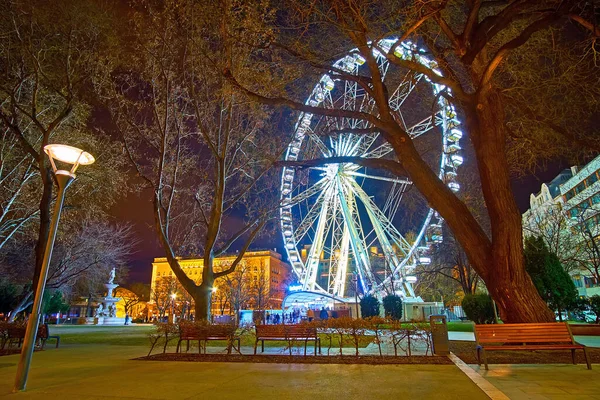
[239, 287]
[49, 55]
[164, 288]
[261, 288]
[552, 224]
[204, 151]
[136, 294]
[584, 228]
[469, 42]
[449, 260]
[17, 180]
[81, 259]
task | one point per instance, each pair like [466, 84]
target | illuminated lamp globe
[68, 155]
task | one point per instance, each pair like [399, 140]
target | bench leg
[587, 358]
[255, 345]
[479, 356]
[178, 345]
[262, 346]
[485, 363]
[187, 346]
[57, 341]
[573, 356]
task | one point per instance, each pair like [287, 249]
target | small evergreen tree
[479, 308]
[369, 306]
[392, 304]
[54, 303]
[553, 283]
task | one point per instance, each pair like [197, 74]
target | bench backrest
[202, 331]
[551, 332]
[285, 331]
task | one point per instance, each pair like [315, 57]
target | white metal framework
[334, 215]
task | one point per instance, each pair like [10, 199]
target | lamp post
[355, 281]
[172, 316]
[74, 157]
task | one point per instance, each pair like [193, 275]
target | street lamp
[74, 157]
[355, 281]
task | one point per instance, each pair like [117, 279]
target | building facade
[260, 281]
[566, 213]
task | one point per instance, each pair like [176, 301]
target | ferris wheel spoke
[379, 178]
[310, 217]
[381, 226]
[322, 147]
[314, 254]
[357, 243]
[404, 89]
[423, 127]
[389, 227]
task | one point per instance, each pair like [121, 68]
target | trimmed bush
[369, 306]
[479, 308]
[392, 304]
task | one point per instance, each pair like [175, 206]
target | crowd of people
[296, 316]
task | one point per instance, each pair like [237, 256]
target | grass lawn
[115, 335]
[460, 326]
[137, 335]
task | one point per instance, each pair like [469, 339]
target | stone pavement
[544, 382]
[107, 372]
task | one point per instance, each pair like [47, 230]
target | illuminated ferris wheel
[342, 220]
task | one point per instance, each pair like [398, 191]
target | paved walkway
[107, 372]
[544, 382]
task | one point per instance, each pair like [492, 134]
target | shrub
[551, 280]
[595, 306]
[369, 306]
[479, 308]
[392, 304]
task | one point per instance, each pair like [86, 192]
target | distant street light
[73, 157]
[172, 316]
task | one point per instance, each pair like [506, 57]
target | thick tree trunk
[202, 301]
[506, 278]
[498, 262]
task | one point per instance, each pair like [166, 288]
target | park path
[107, 372]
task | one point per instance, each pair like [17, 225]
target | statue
[111, 311]
[111, 277]
[99, 311]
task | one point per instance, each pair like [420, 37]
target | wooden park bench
[44, 336]
[14, 333]
[288, 333]
[205, 332]
[531, 337]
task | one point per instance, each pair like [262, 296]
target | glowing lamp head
[173, 296]
[68, 155]
[214, 290]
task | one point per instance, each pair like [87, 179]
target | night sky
[136, 208]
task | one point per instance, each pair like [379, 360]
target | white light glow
[69, 154]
